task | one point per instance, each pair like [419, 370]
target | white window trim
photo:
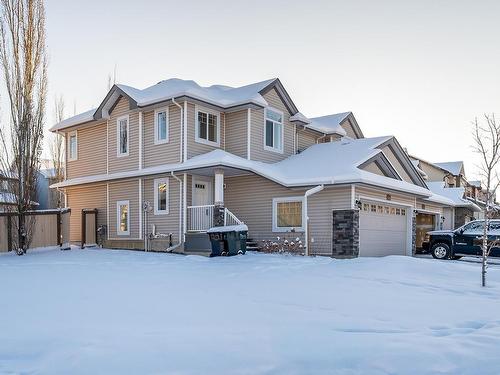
[273, 149]
[118, 153]
[275, 214]
[73, 133]
[118, 205]
[197, 127]
[156, 182]
[159, 141]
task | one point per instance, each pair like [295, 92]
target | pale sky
[419, 70]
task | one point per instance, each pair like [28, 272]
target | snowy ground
[122, 312]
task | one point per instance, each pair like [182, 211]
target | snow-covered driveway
[122, 312]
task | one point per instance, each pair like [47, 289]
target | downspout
[180, 210]
[182, 127]
[307, 194]
[323, 136]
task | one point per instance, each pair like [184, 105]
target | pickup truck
[464, 241]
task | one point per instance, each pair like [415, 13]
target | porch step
[252, 245]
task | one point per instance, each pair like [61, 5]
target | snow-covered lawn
[123, 312]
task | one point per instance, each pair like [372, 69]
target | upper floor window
[273, 132]
[73, 146]
[207, 126]
[122, 136]
[161, 126]
[161, 196]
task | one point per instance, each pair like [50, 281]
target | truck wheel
[440, 250]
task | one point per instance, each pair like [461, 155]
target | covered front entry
[202, 209]
[383, 229]
[425, 222]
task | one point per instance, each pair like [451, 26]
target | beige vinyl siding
[258, 152]
[127, 190]
[130, 162]
[163, 153]
[197, 148]
[168, 223]
[396, 164]
[91, 146]
[374, 168]
[85, 196]
[433, 173]
[236, 134]
[377, 193]
[426, 206]
[346, 125]
[321, 206]
[250, 198]
[305, 139]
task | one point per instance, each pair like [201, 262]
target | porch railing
[230, 218]
[201, 218]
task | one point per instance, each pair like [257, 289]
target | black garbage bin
[228, 240]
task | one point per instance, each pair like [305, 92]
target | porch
[205, 201]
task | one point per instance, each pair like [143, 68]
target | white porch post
[219, 209]
[219, 187]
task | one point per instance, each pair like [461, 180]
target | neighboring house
[207, 155]
[7, 199]
[46, 197]
[448, 179]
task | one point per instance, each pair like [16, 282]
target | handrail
[201, 218]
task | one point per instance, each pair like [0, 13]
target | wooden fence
[49, 228]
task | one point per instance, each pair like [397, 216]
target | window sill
[208, 143]
[289, 230]
[272, 149]
[122, 155]
[160, 213]
[161, 142]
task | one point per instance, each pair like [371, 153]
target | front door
[467, 242]
[202, 212]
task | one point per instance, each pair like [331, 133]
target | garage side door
[382, 230]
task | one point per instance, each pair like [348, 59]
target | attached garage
[383, 229]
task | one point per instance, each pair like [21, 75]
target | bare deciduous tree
[23, 62]
[56, 147]
[487, 145]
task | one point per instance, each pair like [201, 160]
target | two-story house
[246, 153]
[448, 179]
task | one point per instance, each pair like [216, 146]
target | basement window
[288, 214]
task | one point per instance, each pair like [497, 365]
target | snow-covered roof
[454, 167]
[415, 163]
[75, 120]
[456, 194]
[304, 169]
[7, 198]
[476, 183]
[330, 123]
[218, 95]
[300, 117]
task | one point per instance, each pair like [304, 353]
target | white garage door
[382, 230]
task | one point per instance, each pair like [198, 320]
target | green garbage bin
[228, 240]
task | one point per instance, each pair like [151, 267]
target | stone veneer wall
[413, 233]
[345, 234]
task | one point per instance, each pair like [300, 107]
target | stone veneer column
[413, 232]
[345, 231]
